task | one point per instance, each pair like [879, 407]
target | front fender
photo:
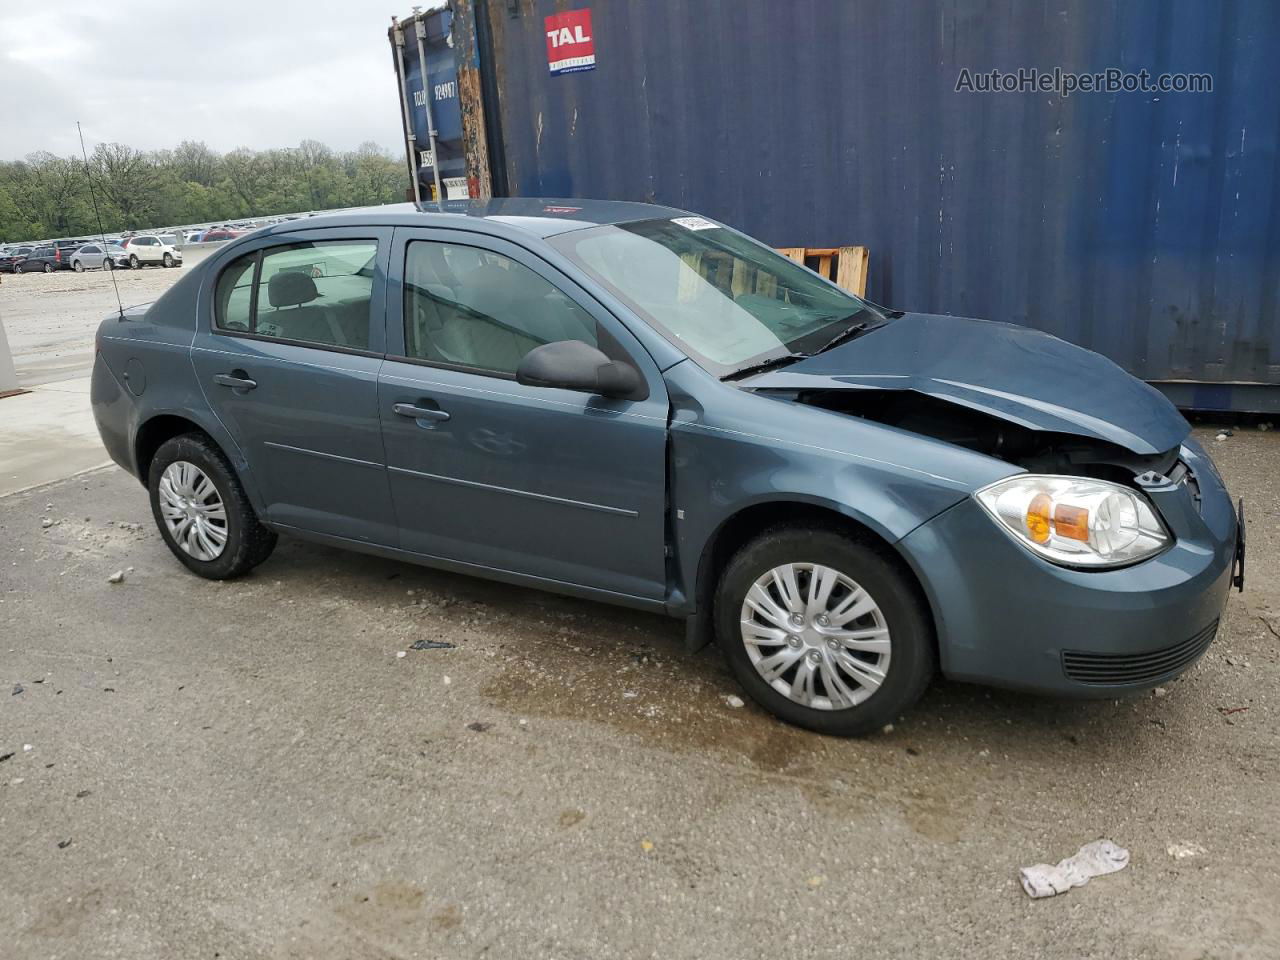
[732, 450]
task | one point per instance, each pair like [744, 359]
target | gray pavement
[248, 770]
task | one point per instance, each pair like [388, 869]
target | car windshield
[725, 300]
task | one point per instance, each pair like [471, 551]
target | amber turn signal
[1038, 517]
[1071, 522]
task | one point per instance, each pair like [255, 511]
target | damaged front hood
[1015, 373]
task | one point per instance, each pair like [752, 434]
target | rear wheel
[167, 260]
[134, 262]
[202, 511]
[48, 268]
[824, 631]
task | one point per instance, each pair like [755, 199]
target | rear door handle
[419, 413]
[236, 380]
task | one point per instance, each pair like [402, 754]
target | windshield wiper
[764, 365]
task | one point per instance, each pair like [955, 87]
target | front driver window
[468, 307]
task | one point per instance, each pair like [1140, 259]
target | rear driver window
[312, 293]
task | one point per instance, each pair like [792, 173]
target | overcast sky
[252, 73]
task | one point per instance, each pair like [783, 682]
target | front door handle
[419, 413]
[236, 380]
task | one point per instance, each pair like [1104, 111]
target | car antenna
[101, 233]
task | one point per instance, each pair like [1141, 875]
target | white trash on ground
[1092, 860]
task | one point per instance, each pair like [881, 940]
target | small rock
[17, 780]
[734, 701]
[5, 756]
[1180, 851]
[478, 727]
[646, 846]
[447, 680]
[27, 748]
[887, 728]
[117, 577]
[523, 722]
[1159, 692]
[984, 753]
[1264, 426]
[63, 844]
[1221, 436]
[17, 689]
[82, 794]
[912, 752]
[48, 506]
[629, 694]
[816, 881]
[46, 523]
[400, 654]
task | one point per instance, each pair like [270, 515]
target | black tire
[77, 266]
[167, 261]
[48, 268]
[248, 541]
[107, 264]
[134, 262]
[912, 655]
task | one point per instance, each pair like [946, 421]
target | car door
[555, 484]
[287, 353]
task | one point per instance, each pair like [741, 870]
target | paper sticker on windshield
[694, 223]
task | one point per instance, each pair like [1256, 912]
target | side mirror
[574, 365]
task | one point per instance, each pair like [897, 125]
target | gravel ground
[249, 770]
[51, 318]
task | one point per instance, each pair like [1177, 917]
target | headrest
[289, 288]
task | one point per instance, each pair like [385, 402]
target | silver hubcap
[815, 636]
[193, 510]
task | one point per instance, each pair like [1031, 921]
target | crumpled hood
[1018, 374]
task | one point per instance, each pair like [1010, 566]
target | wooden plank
[793, 253]
[851, 269]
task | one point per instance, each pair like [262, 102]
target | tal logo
[570, 47]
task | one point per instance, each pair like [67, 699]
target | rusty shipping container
[1144, 225]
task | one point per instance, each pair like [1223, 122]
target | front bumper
[1009, 618]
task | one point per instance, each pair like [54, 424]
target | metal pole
[409, 138]
[426, 102]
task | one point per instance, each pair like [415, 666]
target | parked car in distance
[99, 256]
[9, 261]
[220, 233]
[147, 249]
[643, 406]
[194, 236]
[47, 258]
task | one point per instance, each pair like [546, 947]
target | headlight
[1076, 521]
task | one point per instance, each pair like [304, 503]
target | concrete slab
[47, 434]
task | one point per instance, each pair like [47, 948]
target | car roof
[540, 217]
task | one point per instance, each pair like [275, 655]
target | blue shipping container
[1144, 225]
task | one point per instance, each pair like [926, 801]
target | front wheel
[78, 266]
[107, 264]
[202, 511]
[824, 631]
